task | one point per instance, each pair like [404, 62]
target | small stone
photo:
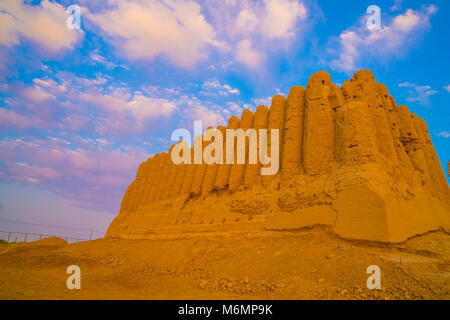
[203, 284]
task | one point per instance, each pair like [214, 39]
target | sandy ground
[306, 264]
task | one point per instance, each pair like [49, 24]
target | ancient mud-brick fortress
[350, 159]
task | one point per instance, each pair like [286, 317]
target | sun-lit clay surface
[350, 159]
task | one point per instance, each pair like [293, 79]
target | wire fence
[20, 236]
[15, 237]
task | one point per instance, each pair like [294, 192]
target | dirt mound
[46, 242]
[350, 159]
[51, 241]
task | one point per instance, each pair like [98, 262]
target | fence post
[25, 238]
[9, 236]
[90, 235]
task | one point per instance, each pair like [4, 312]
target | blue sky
[80, 109]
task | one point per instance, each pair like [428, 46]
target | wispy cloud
[418, 93]
[266, 101]
[444, 134]
[97, 106]
[141, 107]
[214, 87]
[67, 102]
[397, 5]
[96, 57]
[89, 174]
[357, 42]
[13, 119]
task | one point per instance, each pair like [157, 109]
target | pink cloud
[246, 54]
[29, 173]
[253, 30]
[207, 116]
[67, 102]
[138, 105]
[37, 94]
[143, 30]
[44, 24]
[91, 175]
[10, 118]
[74, 122]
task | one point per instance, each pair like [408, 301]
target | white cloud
[281, 17]
[67, 102]
[444, 134]
[96, 105]
[214, 87]
[102, 60]
[248, 55]
[418, 93]
[447, 88]
[168, 92]
[263, 101]
[246, 20]
[349, 41]
[139, 105]
[37, 94]
[234, 108]
[98, 58]
[391, 40]
[279, 92]
[50, 85]
[406, 22]
[270, 19]
[207, 116]
[44, 24]
[183, 30]
[143, 30]
[11, 118]
[259, 26]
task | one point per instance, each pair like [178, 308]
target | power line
[50, 226]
